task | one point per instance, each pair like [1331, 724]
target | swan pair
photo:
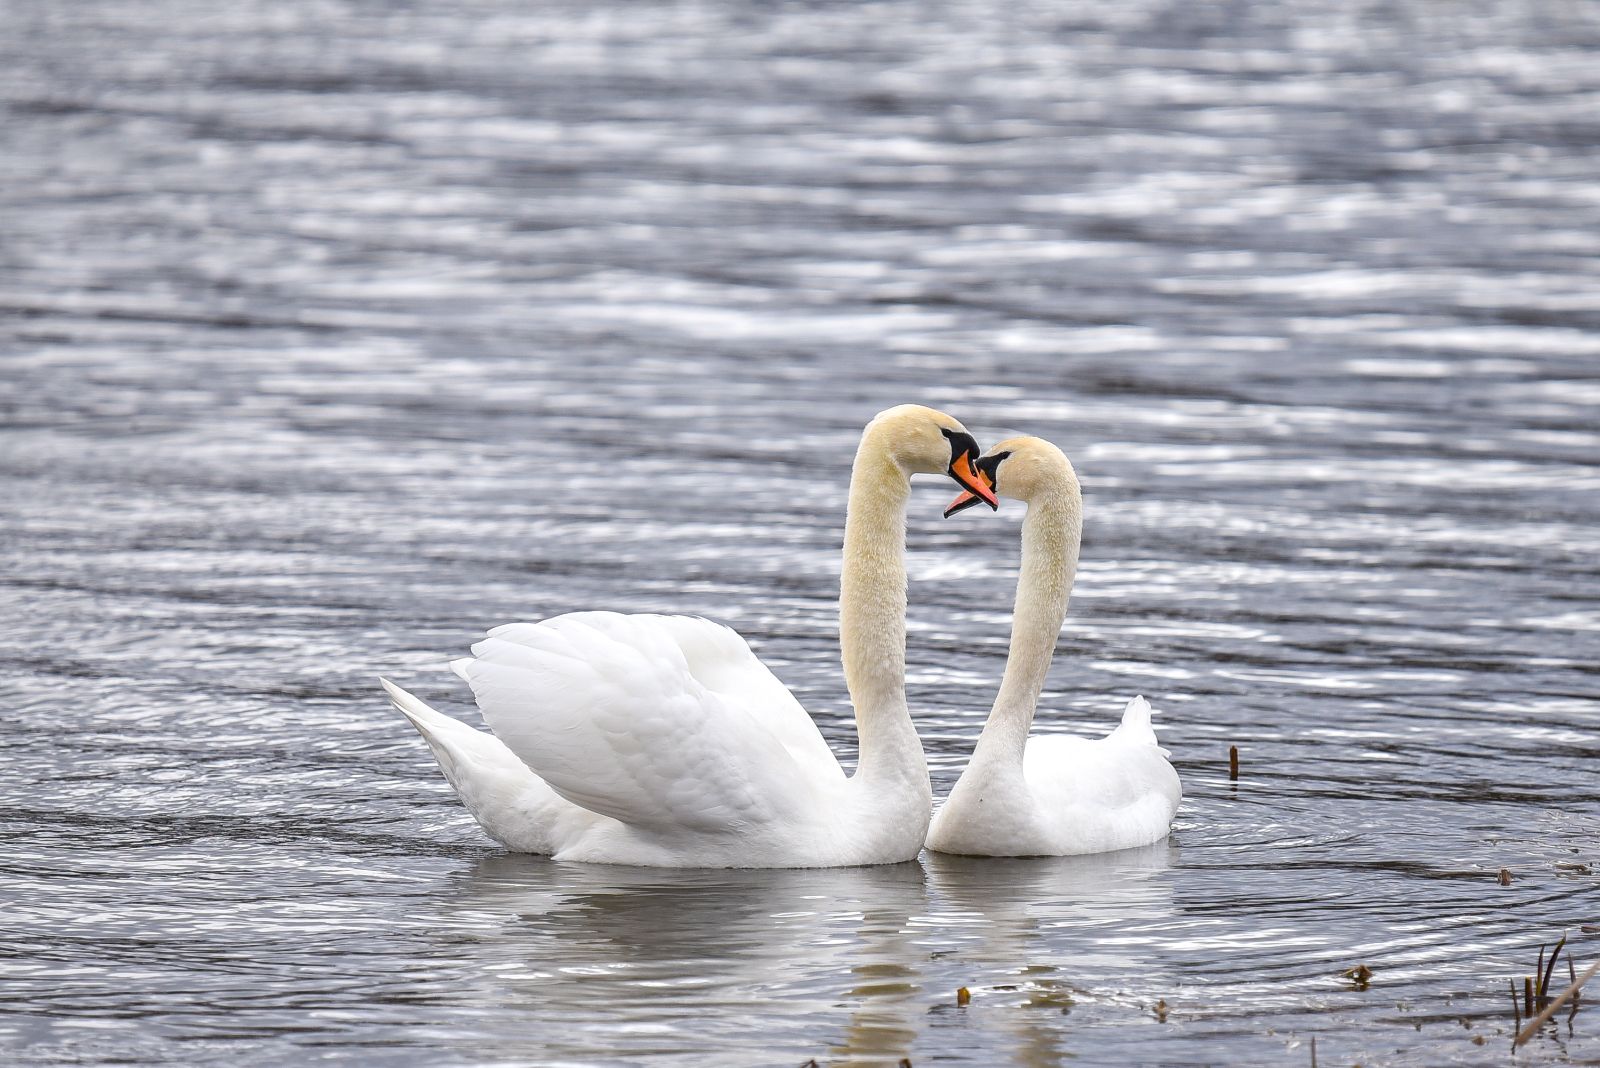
[662, 740]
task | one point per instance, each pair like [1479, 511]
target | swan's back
[1094, 795]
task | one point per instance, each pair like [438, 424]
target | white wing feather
[722, 660]
[607, 709]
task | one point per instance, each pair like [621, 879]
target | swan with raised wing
[1050, 794]
[662, 740]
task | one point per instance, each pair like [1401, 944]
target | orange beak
[978, 485]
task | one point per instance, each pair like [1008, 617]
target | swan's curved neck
[872, 617]
[1051, 536]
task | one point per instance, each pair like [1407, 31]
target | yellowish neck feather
[1051, 536]
[872, 614]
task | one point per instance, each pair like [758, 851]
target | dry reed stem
[1544, 981]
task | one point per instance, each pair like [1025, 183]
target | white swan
[662, 740]
[1050, 794]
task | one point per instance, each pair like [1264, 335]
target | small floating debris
[1160, 1009]
[1233, 763]
[963, 996]
[1574, 867]
[1360, 975]
[1505, 876]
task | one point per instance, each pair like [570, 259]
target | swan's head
[924, 441]
[1021, 469]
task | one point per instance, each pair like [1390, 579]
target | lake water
[332, 334]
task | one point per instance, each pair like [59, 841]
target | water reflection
[1036, 932]
[879, 950]
[675, 945]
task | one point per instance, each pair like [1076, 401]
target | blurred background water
[337, 332]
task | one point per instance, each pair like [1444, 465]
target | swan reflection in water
[599, 961]
[1036, 935]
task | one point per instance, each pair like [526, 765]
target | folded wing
[722, 661]
[653, 720]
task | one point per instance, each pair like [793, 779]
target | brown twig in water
[1516, 1006]
[1575, 996]
[1555, 1003]
[1233, 763]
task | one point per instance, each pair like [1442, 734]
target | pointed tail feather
[1135, 726]
[508, 800]
[432, 725]
[461, 750]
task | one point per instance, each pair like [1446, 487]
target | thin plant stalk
[1550, 966]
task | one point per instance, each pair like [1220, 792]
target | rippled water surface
[336, 333]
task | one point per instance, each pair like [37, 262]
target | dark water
[335, 333]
